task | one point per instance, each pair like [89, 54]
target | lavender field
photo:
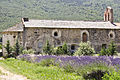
[74, 60]
[51, 67]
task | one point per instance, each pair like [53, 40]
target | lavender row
[73, 60]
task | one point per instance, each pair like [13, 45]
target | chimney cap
[25, 19]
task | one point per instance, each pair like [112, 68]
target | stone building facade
[35, 33]
[12, 34]
[36, 37]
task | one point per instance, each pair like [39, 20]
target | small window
[28, 48]
[111, 35]
[104, 46]
[60, 46]
[35, 32]
[72, 47]
[14, 36]
[56, 34]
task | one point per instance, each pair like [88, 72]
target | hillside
[11, 11]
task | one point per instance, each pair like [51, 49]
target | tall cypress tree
[112, 49]
[47, 48]
[65, 49]
[17, 47]
[8, 47]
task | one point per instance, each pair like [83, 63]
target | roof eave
[10, 31]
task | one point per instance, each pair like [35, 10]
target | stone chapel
[33, 34]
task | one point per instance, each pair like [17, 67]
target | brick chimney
[108, 15]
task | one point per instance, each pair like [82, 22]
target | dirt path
[10, 76]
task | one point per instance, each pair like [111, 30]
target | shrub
[47, 49]
[103, 52]
[112, 76]
[94, 75]
[24, 52]
[47, 62]
[0, 46]
[21, 49]
[62, 50]
[65, 49]
[8, 49]
[112, 49]
[84, 49]
[93, 67]
[30, 51]
[58, 51]
[16, 48]
[93, 71]
[68, 68]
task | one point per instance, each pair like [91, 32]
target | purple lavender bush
[73, 60]
[81, 65]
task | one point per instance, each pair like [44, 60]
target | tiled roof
[16, 28]
[69, 24]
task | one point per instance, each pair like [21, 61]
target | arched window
[85, 37]
[72, 47]
[111, 35]
[55, 34]
[14, 36]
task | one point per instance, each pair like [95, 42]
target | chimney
[25, 19]
[108, 15]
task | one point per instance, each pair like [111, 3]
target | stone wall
[36, 38]
[12, 37]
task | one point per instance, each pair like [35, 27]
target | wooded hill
[11, 11]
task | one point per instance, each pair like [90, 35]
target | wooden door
[85, 37]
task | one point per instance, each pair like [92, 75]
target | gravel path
[10, 76]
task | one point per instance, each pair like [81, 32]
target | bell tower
[108, 15]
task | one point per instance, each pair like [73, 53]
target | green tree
[112, 76]
[47, 49]
[62, 50]
[65, 49]
[30, 51]
[8, 47]
[84, 49]
[112, 49]
[58, 51]
[17, 48]
[103, 51]
[0, 46]
[21, 49]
